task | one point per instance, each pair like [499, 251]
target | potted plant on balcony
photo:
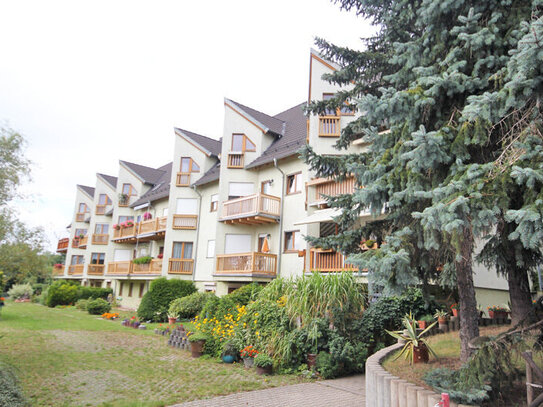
[147, 216]
[248, 355]
[415, 348]
[123, 199]
[197, 342]
[129, 223]
[117, 226]
[142, 260]
[264, 364]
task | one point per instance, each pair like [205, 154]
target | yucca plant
[414, 341]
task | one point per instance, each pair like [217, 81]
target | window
[98, 258]
[83, 208]
[241, 143]
[265, 187]
[130, 288]
[239, 189]
[165, 212]
[210, 248]
[161, 251]
[188, 165]
[77, 259]
[142, 287]
[214, 203]
[79, 232]
[292, 241]
[121, 287]
[187, 206]
[101, 229]
[294, 183]
[128, 190]
[103, 199]
[125, 218]
[182, 250]
[346, 110]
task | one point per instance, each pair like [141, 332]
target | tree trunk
[519, 293]
[469, 316]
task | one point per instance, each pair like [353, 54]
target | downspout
[282, 214]
[197, 233]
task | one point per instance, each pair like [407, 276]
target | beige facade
[223, 213]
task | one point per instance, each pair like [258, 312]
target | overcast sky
[89, 83]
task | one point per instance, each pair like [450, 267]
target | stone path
[344, 392]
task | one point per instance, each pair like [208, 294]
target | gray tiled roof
[294, 137]
[273, 124]
[88, 190]
[111, 180]
[147, 174]
[160, 190]
[211, 175]
[210, 145]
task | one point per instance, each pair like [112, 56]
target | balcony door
[122, 255]
[182, 250]
[237, 244]
[240, 189]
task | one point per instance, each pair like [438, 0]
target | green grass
[65, 357]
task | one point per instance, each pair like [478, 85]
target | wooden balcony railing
[100, 238]
[95, 269]
[63, 244]
[328, 261]
[235, 160]
[119, 267]
[247, 264]
[101, 209]
[152, 225]
[83, 241]
[180, 266]
[123, 233]
[329, 126]
[80, 217]
[58, 272]
[333, 188]
[260, 207]
[76, 269]
[183, 179]
[154, 267]
[75, 242]
[185, 222]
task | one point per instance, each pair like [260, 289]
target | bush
[19, 291]
[189, 306]
[94, 292]
[98, 306]
[10, 391]
[39, 288]
[445, 380]
[61, 293]
[82, 304]
[245, 294]
[156, 302]
[263, 360]
[142, 260]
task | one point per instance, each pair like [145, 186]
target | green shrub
[263, 360]
[11, 394]
[189, 306]
[19, 291]
[445, 380]
[98, 306]
[61, 293]
[142, 260]
[94, 292]
[245, 294]
[156, 302]
[82, 304]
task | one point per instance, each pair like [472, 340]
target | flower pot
[264, 370]
[248, 362]
[497, 314]
[422, 325]
[420, 354]
[454, 312]
[311, 360]
[228, 359]
[171, 321]
[197, 348]
[442, 320]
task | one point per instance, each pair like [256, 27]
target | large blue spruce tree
[449, 92]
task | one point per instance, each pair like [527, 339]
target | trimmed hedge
[62, 293]
[94, 292]
[98, 306]
[156, 302]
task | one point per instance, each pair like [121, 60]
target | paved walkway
[344, 392]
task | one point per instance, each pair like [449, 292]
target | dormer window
[242, 143]
[188, 166]
[128, 190]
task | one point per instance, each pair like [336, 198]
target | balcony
[329, 126]
[329, 187]
[328, 261]
[235, 160]
[252, 209]
[123, 235]
[183, 179]
[76, 270]
[83, 242]
[128, 268]
[80, 217]
[101, 209]
[246, 264]
[100, 238]
[75, 243]
[180, 266]
[95, 269]
[62, 245]
[183, 222]
[152, 229]
[58, 272]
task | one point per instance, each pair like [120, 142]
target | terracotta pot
[264, 370]
[248, 362]
[171, 321]
[442, 320]
[197, 348]
[423, 324]
[454, 312]
[497, 314]
[311, 360]
[420, 354]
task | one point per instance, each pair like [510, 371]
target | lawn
[65, 357]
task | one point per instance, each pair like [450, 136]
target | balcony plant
[264, 364]
[142, 260]
[416, 348]
[147, 216]
[117, 226]
[129, 223]
[123, 199]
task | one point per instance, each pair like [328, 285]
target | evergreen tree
[456, 85]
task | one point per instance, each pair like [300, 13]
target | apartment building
[224, 212]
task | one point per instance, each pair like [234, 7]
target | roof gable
[146, 175]
[87, 190]
[263, 121]
[205, 144]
